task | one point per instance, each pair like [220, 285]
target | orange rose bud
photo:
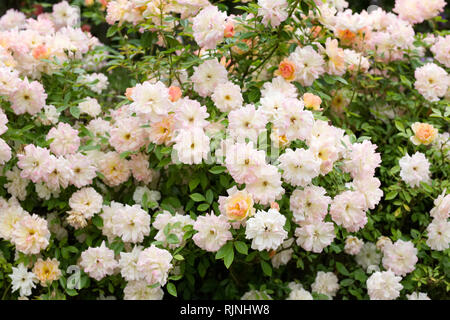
[275, 205]
[224, 62]
[286, 69]
[128, 93]
[315, 31]
[229, 30]
[312, 101]
[88, 3]
[174, 93]
[40, 52]
[424, 133]
[346, 36]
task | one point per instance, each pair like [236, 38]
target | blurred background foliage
[355, 5]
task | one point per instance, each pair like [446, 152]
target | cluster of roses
[160, 114]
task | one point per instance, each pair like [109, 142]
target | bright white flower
[246, 122]
[140, 290]
[154, 264]
[90, 106]
[441, 209]
[128, 264]
[132, 224]
[415, 169]
[5, 152]
[12, 19]
[267, 188]
[22, 280]
[438, 234]
[9, 216]
[298, 292]
[65, 139]
[362, 160]
[243, 161]
[65, 15]
[299, 166]
[279, 87]
[151, 99]
[326, 283]
[98, 262]
[209, 27]
[384, 285]
[208, 76]
[31, 234]
[227, 97]
[190, 114]
[309, 205]
[266, 230]
[440, 49]
[213, 232]
[370, 188]
[273, 11]
[315, 236]
[282, 257]
[309, 65]
[192, 146]
[293, 121]
[432, 81]
[86, 201]
[348, 210]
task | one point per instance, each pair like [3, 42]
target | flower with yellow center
[161, 131]
[47, 271]
[278, 140]
[424, 133]
[237, 206]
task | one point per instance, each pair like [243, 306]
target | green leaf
[203, 207]
[241, 247]
[267, 269]
[342, 269]
[97, 221]
[209, 196]
[347, 282]
[172, 289]
[224, 250]
[172, 239]
[178, 257]
[391, 195]
[75, 111]
[217, 169]
[193, 183]
[228, 259]
[399, 125]
[197, 197]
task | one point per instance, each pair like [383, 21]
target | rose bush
[288, 149]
